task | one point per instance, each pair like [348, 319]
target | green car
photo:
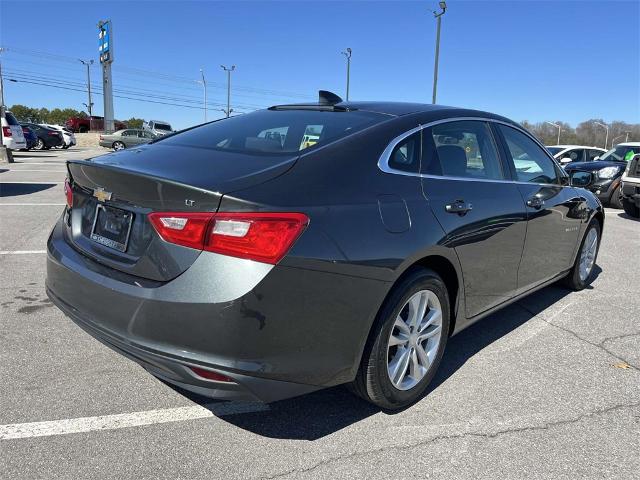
[126, 138]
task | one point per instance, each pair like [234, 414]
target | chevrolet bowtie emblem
[101, 194]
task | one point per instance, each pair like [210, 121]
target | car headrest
[453, 160]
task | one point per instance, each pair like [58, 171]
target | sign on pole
[105, 49]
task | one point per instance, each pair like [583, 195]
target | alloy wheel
[588, 254]
[414, 340]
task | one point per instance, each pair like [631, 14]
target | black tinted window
[275, 131]
[463, 149]
[11, 120]
[593, 154]
[531, 162]
[406, 155]
[575, 155]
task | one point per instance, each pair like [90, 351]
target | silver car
[126, 138]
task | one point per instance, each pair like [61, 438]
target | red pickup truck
[85, 124]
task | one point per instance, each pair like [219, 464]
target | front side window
[462, 149]
[593, 154]
[575, 155]
[275, 131]
[621, 153]
[531, 162]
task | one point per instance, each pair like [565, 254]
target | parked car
[12, 135]
[126, 138]
[157, 127]
[575, 153]
[47, 137]
[68, 136]
[84, 124]
[608, 170]
[241, 266]
[630, 187]
[30, 137]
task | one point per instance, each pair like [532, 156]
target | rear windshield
[275, 131]
[162, 126]
[11, 120]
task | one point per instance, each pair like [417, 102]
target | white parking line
[33, 183]
[124, 420]
[33, 170]
[20, 252]
[32, 204]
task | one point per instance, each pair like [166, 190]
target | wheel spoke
[417, 372]
[433, 317]
[423, 358]
[401, 325]
[429, 332]
[399, 339]
[398, 366]
[417, 308]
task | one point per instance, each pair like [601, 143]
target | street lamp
[443, 7]
[613, 140]
[203, 82]
[347, 54]
[606, 138]
[627, 132]
[559, 129]
[228, 70]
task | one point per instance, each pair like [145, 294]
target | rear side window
[462, 149]
[406, 154]
[593, 154]
[275, 131]
[531, 162]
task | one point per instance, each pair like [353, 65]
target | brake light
[68, 192]
[54, 133]
[6, 131]
[263, 237]
[24, 130]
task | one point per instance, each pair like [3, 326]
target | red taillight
[54, 133]
[263, 237]
[24, 130]
[68, 192]
[6, 131]
[209, 375]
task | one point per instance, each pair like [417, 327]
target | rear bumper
[277, 331]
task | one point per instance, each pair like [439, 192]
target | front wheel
[581, 273]
[630, 208]
[406, 343]
[616, 198]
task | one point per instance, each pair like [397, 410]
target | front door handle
[459, 206]
[535, 202]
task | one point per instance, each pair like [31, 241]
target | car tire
[389, 346]
[616, 198]
[118, 146]
[40, 144]
[581, 274]
[630, 208]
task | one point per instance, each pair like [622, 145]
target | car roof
[573, 146]
[628, 144]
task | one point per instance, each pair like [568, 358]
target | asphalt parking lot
[547, 388]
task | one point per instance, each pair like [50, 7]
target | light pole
[5, 153]
[89, 105]
[627, 132]
[443, 7]
[613, 140]
[559, 130]
[228, 70]
[347, 54]
[606, 138]
[204, 84]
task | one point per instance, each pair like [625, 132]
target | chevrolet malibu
[241, 261]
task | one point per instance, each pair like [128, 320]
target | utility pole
[204, 84]
[443, 7]
[559, 130]
[606, 138]
[627, 132]
[105, 48]
[228, 70]
[5, 153]
[89, 105]
[347, 54]
[613, 140]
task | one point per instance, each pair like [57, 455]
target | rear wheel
[407, 342]
[630, 208]
[40, 144]
[118, 146]
[616, 198]
[581, 273]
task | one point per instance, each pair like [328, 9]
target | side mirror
[595, 159]
[565, 160]
[580, 179]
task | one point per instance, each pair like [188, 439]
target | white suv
[12, 135]
[575, 153]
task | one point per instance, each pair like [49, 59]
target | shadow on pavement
[322, 413]
[629, 217]
[17, 189]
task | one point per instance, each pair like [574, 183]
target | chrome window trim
[383, 161]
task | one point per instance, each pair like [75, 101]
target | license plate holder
[112, 227]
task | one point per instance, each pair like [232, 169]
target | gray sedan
[126, 138]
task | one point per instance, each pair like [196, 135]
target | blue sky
[533, 60]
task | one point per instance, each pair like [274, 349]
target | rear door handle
[535, 202]
[459, 206]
